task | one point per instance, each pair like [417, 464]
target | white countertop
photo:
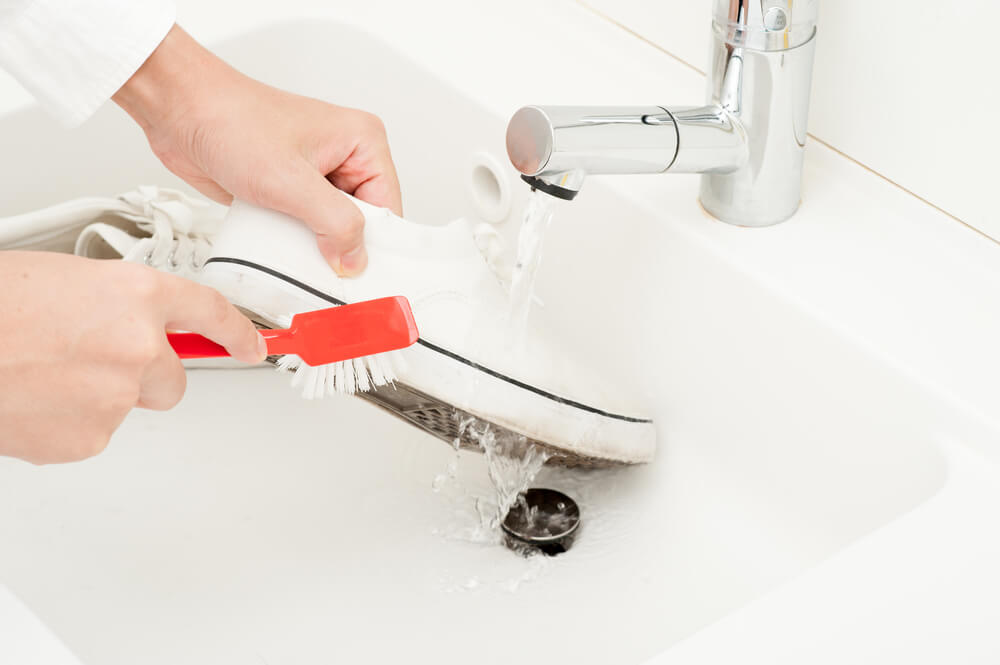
[917, 289]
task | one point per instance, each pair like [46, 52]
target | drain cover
[542, 520]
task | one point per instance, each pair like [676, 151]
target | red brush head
[352, 331]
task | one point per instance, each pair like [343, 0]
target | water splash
[512, 464]
[449, 474]
[478, 508]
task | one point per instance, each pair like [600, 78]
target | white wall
[909, 88]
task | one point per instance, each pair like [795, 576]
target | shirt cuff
[73, 55]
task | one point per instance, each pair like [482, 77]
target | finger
[163, 383]
[382, 190]
[337, 223]
[212, 190]
[200, 309]
[369, 172]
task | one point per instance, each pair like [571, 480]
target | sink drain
[542, 520]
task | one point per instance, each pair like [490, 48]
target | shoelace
[180, 231]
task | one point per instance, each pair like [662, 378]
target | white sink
[249, 525]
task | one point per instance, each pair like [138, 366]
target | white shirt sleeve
[72, 55]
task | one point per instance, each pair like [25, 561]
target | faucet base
[733, 214]
[767, 188]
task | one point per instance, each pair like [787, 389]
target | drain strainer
[542, 520]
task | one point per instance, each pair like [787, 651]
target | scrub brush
[341, 349]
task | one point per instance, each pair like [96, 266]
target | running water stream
[537, 216]
[512, 462]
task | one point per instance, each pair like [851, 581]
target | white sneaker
[161, 227]
[464, 363]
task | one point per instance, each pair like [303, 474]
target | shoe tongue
[104, 241]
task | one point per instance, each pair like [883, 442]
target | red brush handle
[326, 335]
[193, 345]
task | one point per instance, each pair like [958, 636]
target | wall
[908, 89]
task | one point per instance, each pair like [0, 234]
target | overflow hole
[489, 188]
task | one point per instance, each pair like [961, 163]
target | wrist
[160, 89]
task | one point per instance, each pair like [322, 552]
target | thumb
[200, 309]
[338, 224]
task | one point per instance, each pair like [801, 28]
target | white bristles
[314, 388]
[340, 379]
[346, 378]
[361, 375]
[375, 370]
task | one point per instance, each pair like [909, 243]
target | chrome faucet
[747, 142]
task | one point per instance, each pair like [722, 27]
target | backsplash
[908, 89]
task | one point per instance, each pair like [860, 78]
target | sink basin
[249, 525]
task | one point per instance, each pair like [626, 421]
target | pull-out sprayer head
[530, 140]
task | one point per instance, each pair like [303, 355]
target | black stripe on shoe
[433, 347]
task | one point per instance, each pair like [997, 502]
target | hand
[228, 135]
[84, 342]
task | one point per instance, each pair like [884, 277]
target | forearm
[172, 75]
[72, 55]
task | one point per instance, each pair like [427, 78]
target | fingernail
[261, 347]
[354, 261]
